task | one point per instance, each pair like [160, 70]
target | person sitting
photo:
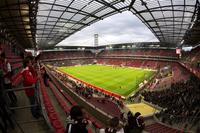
[135, 123]
[114, 127]
[139, 121]
[77, 122]
[131, 124]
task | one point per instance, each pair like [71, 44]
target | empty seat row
[62, 102]
[159, 128]
[52, 114]
[60, 99]
[70, 100]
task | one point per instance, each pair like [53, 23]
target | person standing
[33, 70]
[7, 74]
[29, 81]
[5, 119]
[35, 74]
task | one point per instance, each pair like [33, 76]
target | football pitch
[120, 80]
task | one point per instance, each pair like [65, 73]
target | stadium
[123, 87]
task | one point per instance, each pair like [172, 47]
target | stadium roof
[171, 21]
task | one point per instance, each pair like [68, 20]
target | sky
[120, 28]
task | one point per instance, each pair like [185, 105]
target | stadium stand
[87, 92]
[40, 25]
[52, 115]
[142, 63]
[176, 68]
[73, 103]
[65, 54]
[191, 61]
[60, 99]
[179, 101]
[140, 53]
[157, 127]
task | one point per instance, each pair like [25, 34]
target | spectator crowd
[180, 103]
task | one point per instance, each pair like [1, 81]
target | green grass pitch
[120, 80]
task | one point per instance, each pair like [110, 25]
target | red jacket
[33, 71]
[29, 80]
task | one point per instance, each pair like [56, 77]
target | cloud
[186, 48]
[120, 28]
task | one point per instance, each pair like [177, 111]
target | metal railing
[39, 103]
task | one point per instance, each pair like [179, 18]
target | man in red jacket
[33, 71]
[29, 80]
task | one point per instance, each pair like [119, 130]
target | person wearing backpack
[114, 127]
[77, 123]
